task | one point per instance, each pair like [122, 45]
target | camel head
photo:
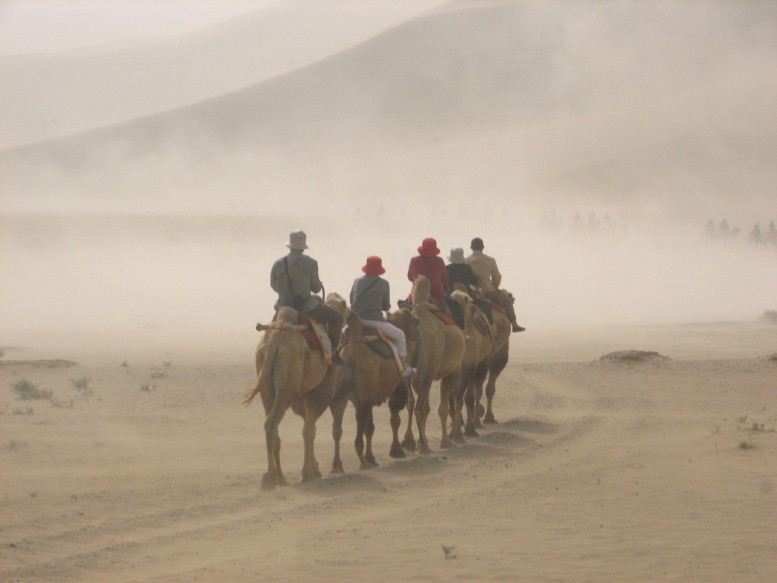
[338, 304]
[422, 289]
[463, 299]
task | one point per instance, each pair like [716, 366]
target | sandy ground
[597, 471]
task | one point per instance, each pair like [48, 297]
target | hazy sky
[50, 26]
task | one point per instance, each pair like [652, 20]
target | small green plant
[167, 364]
[449, 554]
[147, 386]
[23, 411]
[748, 443]
[25, 390]
[125, 364]
[159, 375]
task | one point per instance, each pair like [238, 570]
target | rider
[489, 277]
[459, 271]
[295, 278]
[370, 297]
[428, 264]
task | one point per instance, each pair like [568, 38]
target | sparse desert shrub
[159, 375]
[2, 353]
[747, 444]
[14, 445]
[147, 386]
[23, 411]
[125, 364]
[769, 316]
[81, 384]
[449, 554]
[25, 390]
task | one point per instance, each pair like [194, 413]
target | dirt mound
[55, 363]
[633, 356]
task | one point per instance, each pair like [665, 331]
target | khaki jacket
[486, 270]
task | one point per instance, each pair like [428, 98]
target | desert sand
[598, 470]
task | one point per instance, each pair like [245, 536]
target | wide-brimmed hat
[297, 241]
[457, 255]
[428, 248]
[476, 244]
[374, 266]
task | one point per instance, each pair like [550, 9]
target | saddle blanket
[315, 335]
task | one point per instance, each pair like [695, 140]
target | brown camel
[368, 381]
[437, 357]
[478, 352]
[291, 374]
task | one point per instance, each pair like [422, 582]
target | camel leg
[422, 410]
[472, 399]
[447, 386]
[409, 442]
[337, 407]
[310, 466]
[274, 476]
[497, 366]
[457, 404]
[369, 428]
[361, 421]
[397, 402]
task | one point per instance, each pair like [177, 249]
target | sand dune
[50, 96]
[556, 103]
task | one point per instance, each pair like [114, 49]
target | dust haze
[143, 209]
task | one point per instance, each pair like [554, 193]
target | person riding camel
[295, 279]
[489, 278]
[459, 271]
[370, 297]
[428, 264]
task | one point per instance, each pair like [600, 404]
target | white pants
[397, 335]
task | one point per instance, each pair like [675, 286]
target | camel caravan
[454, 328]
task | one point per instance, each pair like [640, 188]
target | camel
[478, 352]
[369, 380]
[291, 374]
[437, 357]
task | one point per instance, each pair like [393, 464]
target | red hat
[428, 248]
[374, 266]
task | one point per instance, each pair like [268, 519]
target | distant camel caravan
[294, 371]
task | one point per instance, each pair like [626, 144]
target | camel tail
[271, 349]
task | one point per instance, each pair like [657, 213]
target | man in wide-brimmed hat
[295, 278]
[370, 297]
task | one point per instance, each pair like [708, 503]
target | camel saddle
[481, 323]
[374, 339]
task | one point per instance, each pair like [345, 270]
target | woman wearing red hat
[428, 264]
[370, 297]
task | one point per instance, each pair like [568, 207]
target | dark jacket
[460, 273]
[370, 297]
